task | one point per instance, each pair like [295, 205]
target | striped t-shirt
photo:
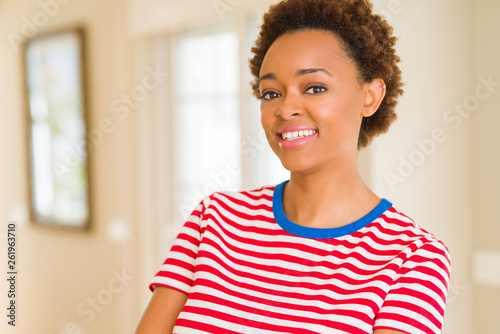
[246, 268]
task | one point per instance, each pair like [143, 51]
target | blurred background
[169, 117]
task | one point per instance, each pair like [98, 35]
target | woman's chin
[297, 166]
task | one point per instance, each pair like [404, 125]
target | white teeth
[297, 134]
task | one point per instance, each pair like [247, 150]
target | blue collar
[321, 233]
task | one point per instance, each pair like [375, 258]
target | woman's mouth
[292, 135]
[294, 139]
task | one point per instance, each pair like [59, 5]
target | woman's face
[308, 82]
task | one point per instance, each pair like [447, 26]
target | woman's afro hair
[367, 40]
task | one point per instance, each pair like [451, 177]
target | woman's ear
[374, 93]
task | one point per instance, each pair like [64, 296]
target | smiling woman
[320, 252]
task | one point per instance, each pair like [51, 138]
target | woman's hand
[162, 311]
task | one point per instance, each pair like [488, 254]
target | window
[219, 142]
[206, 115]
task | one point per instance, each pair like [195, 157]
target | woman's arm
[162, 311]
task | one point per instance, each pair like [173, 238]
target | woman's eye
[266, 95]
[272, 95]
[316, 89]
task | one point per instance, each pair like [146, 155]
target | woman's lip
[292, 128]
[295, 142]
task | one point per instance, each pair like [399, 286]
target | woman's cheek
[266, 120]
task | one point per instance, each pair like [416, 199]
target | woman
[319, 253]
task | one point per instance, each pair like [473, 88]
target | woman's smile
[294, 136]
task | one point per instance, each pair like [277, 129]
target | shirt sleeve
[178, 269]
[416, 300]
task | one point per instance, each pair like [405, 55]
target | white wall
[158, 16]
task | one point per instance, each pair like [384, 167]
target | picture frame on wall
[54, 78]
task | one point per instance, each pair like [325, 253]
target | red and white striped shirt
[248, 269]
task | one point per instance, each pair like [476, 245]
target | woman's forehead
[304, 49]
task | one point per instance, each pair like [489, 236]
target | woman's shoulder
[249, 194]
[400, 226]
[254, 202]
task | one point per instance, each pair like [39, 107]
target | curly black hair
[367, 39]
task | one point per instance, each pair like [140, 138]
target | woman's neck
[330, 198]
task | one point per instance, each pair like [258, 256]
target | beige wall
[485, 161]
[445, 45]
[60, 270]
[434, 188]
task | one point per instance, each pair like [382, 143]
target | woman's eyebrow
[304, 71]
[312, 70]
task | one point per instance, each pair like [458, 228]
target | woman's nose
[291, 107]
